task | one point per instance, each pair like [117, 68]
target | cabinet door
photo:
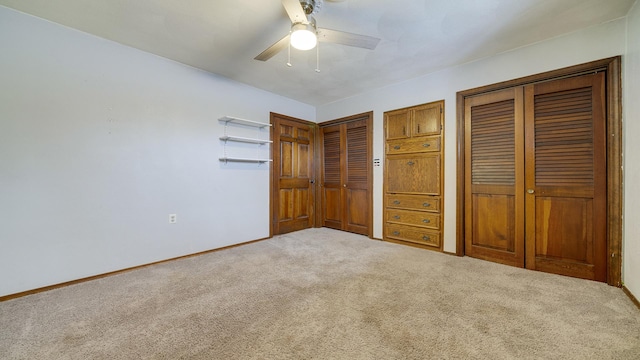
[406, 174]
[426, 120]
[397, 124]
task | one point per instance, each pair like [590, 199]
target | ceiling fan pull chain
[289, 61]
[318, 58]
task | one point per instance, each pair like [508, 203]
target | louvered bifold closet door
[346, 171]
[566, 177]
[332, 204]
[356, 184]
[494, 177]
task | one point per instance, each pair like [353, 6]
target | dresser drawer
[414, 218]
[413, 234]
[413, 202]
[413, 145]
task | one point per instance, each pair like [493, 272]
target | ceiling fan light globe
[303, 37]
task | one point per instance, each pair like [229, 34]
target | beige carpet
[324, 294]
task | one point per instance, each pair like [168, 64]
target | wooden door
[566, 202]
[333, 163]
[346, 176]
[573, 211]
[293, 197]
[494, 177]
[356, 178]
[535, 177]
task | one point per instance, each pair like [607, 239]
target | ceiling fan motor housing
[311, 6]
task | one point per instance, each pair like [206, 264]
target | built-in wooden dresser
[413, 175]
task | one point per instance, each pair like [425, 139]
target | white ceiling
[417, 36]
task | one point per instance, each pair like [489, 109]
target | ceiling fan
[304, 34]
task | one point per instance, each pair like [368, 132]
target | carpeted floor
[324, 294]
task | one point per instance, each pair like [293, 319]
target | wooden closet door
[345, 188]
[355, 176]
[293, 159]
[566, 177]
[494, 177]
[333, 163]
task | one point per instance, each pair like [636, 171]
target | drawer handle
[426, 238]
[426, 144]
[426, 221]
[397, 217]
[426, 204]
[396, 233]
[396, 202]
[397, 147]
[410, 163]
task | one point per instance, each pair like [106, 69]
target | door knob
[344, 185]
[530, 191]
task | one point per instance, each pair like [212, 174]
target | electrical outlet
[173, 218]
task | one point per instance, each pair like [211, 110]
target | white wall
[594, 43]
[631, 127]
[99, 143]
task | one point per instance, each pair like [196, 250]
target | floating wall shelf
[235, 120]
[245, 140]
[257, 140]
[245, 160]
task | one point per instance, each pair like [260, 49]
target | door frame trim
[272, 190]
[368, 116]
[612, 68]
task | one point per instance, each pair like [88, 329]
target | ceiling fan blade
[274, 49]
[295, 11]
[345, 38]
